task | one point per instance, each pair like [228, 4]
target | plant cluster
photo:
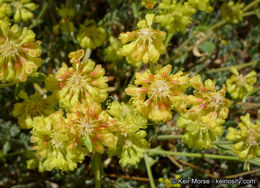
[72, 112]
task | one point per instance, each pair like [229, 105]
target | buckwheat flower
[131, 144]
[56, 146]
[207, 99]
[19, 53]
[91, 36]
[149, 4]
[144, 45]
[202, 5]
[93, 125]
[201, 131]
[112, 52]
[5, 11]
[155, 95]
[65, 25]
[33, 106]
[82, 81]
[239, 85]
[174, 16]
[23, 10]
[246, 139]
[232, 12]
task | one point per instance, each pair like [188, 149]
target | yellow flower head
[174, 16]
[57, 147]
[131, 144]
[33, 106]
[65, 25]
[93, 125]
[23, 10]
[144, 45]
[149, 4]
[91, 36]
[238, 85]
[232, 12]
[207, 99]
[246, 139]
[156, 94]
[82, 81]
[19, 53]
[201, 131]
[202, 5]
[5, 11]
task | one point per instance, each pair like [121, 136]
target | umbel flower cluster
[144, 45]
[19, 53]
[22, 10]
[208, 109]
[175, 16]
[239, 85]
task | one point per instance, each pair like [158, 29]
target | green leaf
[6, 148]
[18, 88]
[14, 131]
[88, 143]
[207, 47]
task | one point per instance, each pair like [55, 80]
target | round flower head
[131, 144]
[93, 125]
[23, 10]
[33, 106]
[144, 45]
[156, 94]
[5, 11]
[174, 16]
[91, 36]
[82, 81]
[19, 53]
[232, 12]
[112, 52]
[246, 139]
[149, 4]
[202, 5]
[207, 99]
[201, 131]
[56, 145]
[65, 25]
[238, 85]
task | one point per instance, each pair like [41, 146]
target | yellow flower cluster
[144, 45]
[238, 85]
[246, 139]
[156, 94]
[19, 53]
[206, 114]
[82, 81]
[91, 36]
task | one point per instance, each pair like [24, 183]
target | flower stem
[249, 6]
[228, 68]
[149, 172]
[7, 85]
[198, 155]
[37, 21]
[152, 68]
[168, 38]
[87, 55]
[166, 137]
[98, 165]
